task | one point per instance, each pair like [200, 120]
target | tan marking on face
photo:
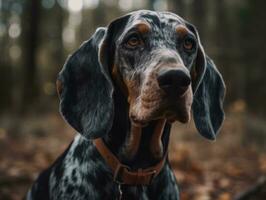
[182, 30]
[59, 87]
[143, 27]
[133, 90]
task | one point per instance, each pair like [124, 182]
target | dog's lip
[137, 122]
[163, 107]
[182, 117]
[170, 115]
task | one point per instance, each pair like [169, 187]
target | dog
[121, 91]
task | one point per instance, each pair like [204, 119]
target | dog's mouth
[154, 106]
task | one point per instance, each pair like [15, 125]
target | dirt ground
[205, 170]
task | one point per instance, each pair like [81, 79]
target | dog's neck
[117, 139]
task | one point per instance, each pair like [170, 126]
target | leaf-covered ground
[205, 170]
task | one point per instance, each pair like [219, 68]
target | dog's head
[157, 60]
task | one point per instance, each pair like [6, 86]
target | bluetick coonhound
[120, 91]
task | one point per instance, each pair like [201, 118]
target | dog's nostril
[174, 80]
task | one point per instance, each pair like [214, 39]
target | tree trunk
[30, 24]
[6, 77]
[58, 52]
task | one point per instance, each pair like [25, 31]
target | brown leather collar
[122, 173]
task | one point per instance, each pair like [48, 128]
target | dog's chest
[82, 175]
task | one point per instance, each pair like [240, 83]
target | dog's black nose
[174, 81]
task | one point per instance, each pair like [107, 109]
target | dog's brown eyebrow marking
[143, 27]
[181, 30]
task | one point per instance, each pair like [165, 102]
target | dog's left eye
[133, 41]
[189, 44]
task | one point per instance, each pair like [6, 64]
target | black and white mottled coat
[94, 105]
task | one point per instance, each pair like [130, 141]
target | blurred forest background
[37, 35]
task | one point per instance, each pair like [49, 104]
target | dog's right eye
[133, 41]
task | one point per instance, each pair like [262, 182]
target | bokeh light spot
[75, 5]
[92, 4]
[69, 35]
[125, 4]
[14, 30]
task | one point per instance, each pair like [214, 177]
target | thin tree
[30, 32]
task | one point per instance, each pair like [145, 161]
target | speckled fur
[94, 104]
[82, 174]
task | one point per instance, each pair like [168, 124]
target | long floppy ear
[85, 90]
[208, 102]
[85, 87]
[209, 90]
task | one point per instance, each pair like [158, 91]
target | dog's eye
[133, 41]
[189, 43]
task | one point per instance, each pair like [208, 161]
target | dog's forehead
[155, 19]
